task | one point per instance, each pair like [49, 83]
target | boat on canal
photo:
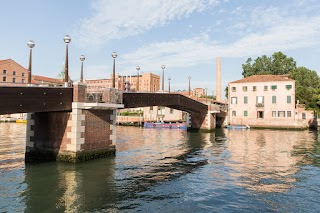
[165, 125]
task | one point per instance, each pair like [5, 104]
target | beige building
[198, 92]
[266, 101]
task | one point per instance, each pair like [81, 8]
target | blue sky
[184, 35]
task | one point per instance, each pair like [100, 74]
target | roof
[12, 61]
[38, 78]
[264, 78]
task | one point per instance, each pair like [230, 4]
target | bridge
[70, 124]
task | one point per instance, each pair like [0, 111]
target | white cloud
[292, 33]
[120, 19]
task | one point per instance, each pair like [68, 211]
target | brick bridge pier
[87, 132]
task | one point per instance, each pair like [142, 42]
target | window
[274, 99]
[245, 113]
[245, 99]
[151, 108]
[304, 115]
[14, 80]
[288, 113]
[274, 87]
[289, 99]
[22, 81]
[281, 114]
[288, 87]
[234, 113]
[254, 88]
[260, 99]
[233, 89]
[22, 74]
[265, 88]
[233, 100]
[245, 88]
[260, 114]
[274, 114]
[171, 111]
[14, 73]
[4, 72]
[4, 79]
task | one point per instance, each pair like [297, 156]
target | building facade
[266, 101]
[148, 82]
[12, 73]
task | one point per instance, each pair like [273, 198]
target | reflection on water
[264, 160]
[158, 170]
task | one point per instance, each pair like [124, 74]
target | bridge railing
[104, 95]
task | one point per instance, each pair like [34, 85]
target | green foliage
[131, 113]
[307, 81]
[307, 87]
[277, 64]
[226, 91]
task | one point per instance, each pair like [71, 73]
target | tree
[277, 64]
[226, 92]
[307, 87]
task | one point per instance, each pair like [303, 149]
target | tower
[218, 79]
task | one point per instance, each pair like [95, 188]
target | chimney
[218, 83]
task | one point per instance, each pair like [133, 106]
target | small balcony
[260, 105]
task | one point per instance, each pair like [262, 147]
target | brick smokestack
[218, 83]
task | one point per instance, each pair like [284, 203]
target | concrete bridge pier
[202, 121]
[86, 133]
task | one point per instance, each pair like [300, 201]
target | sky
[184, 35]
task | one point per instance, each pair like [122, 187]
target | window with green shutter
[245, 113]
[288, 87]
[274, 87]
[274, 99]
[245, 100]
[289, 99]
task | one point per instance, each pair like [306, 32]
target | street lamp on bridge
[82, 58]
[30, 45]
[114, 55]
[137, 68]
[163, 67]
[67, 40]
[169, 84]
[189, 85]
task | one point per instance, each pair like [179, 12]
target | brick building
[12, 73]
[266, 101]
[148, 82]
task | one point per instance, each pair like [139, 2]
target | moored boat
[21, 120]
[165, 125]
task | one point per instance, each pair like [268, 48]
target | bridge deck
[34, 99]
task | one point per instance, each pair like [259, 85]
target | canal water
[160, 170]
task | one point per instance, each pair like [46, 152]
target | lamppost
[30, 45]
[114, 55]
[137, 68]
[82, 58]
[169, 83]
[189, 85]
[163, 67]
[67, 40]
